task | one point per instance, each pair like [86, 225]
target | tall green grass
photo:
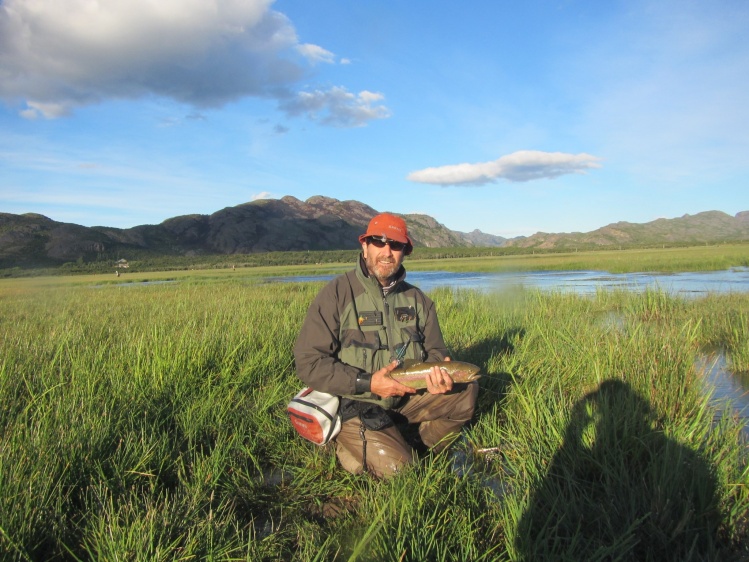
[148, 423]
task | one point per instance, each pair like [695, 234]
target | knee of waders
[465, 404]
[387, 452]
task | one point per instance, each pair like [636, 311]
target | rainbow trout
[412, 372]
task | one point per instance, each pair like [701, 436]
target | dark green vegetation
[689, 258]
[296, 228]
[148, 423]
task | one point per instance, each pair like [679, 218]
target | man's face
[382, 263]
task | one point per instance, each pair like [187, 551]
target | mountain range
[319, 223]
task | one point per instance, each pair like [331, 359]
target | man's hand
[384, 386]
[438, 381]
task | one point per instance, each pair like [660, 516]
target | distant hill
[320, 223]
[702, 228]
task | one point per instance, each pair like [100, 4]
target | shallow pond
[582, 282]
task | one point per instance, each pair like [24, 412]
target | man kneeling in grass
[356, 330]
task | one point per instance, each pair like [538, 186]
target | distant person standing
[355, 331]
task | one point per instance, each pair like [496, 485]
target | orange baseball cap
[388, 226]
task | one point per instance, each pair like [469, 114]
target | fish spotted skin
[413, 374]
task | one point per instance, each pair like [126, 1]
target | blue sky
[512, 118]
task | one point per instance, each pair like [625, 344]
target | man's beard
[383, 272]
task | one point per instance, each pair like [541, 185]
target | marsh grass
[148, 423]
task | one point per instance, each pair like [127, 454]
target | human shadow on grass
[619, 489]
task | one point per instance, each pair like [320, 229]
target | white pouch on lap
[314, 415]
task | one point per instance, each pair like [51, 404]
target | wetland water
[729, 391]
[582, 282]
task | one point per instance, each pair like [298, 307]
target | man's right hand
[385, 386]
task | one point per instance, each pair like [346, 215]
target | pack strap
[362, 429]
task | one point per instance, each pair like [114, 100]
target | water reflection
[729, 390]
[580, 282]
[588, 282]
[125, 284]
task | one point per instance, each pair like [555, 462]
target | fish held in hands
[413, 373]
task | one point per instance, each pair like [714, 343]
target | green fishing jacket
[352, 328]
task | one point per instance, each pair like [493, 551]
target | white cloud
[262, 195]
[56, 56]
[520, 166]
[315, 53]
[337, 107]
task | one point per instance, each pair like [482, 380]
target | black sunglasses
[379, 242]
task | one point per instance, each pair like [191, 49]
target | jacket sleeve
[317, 346]
[434, 344]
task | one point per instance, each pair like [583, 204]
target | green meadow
[147, 422]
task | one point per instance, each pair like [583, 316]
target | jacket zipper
[388, 329]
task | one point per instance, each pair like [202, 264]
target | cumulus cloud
[337, 107]
[262, 195]
[520, 166]
[56, 56]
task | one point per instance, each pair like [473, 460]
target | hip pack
[315, 415]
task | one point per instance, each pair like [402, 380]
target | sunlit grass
[148, 423]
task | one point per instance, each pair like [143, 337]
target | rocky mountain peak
[319, 223]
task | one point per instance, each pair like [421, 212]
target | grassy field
[148, 422]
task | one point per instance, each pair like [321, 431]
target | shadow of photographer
[619, 489]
